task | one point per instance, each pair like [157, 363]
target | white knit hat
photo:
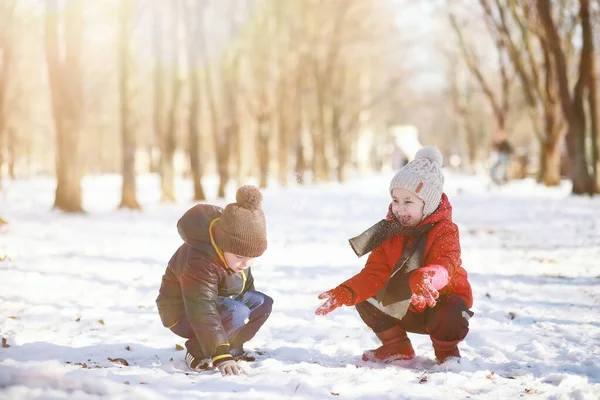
[423, 176]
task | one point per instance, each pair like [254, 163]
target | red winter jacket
[443, 248]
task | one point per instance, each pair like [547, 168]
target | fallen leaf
[78, 319]
[4, 344]
[101, 321]
[13, 317]
[126, 382]
[529, 391]
[141, 307]
[82, 365]
[423, 379]
[127, 348]
[334, 394]
[178, 347]
[118, 361]
[512, 315]
[490, 375]
[171, 359]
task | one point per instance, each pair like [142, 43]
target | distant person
[413, 280]
[207, 293]
[502, 150]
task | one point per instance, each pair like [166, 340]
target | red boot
[395, 346]
[445, 350]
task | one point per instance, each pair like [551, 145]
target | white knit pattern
[425, 171]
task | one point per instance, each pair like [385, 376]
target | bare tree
[65, 77]
[588, 37]
[500, 106]
[7, 10]
[194, 14]
[507, 24]
[128, 134]
[572, 105]
[168, 142]
[220, 139]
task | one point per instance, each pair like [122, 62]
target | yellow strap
[212, 241]
[217, 358]
[169, 327]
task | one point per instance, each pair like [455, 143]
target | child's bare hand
[230, 367]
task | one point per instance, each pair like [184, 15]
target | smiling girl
[413, 280]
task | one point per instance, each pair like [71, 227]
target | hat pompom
[249, 197]
[432, 154]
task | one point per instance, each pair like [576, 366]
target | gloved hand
[334, 298]
[423, 291]
[230, 367]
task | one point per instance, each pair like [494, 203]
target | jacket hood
[193, 226]
[443, 212]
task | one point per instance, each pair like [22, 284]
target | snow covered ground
[77, 290]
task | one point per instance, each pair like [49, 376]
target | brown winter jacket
[195, 276]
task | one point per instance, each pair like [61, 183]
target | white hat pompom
[432, 154]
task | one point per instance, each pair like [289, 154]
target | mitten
[334, 298]
[424, 285]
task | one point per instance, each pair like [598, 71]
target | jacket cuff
[439, 280]
[352, 295]
[221, 354]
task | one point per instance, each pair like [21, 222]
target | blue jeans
[241, 317]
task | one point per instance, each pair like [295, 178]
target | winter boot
[196, 363]
[395, 346]
[445, 349]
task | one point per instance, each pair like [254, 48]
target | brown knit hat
[242, 228]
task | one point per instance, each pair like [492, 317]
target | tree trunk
[338, 143]
[573, 109]
[551, 166]
[194, 132]
[263, 131]
[283, 133]
[593, 107]
[300, 161]
[6, 16]
[193, 17]
[320, 167]
[169, 135]
[11, 153]
[128, 134]
[65, 76]
[4, 65]
[299, 123]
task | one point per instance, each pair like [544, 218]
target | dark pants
[445, 322]
[241, 317]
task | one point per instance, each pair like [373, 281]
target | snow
[78, 289]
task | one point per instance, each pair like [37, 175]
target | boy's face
[407, 207]
[238, 263]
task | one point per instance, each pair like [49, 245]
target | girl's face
[238, 263]
[407, 207]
